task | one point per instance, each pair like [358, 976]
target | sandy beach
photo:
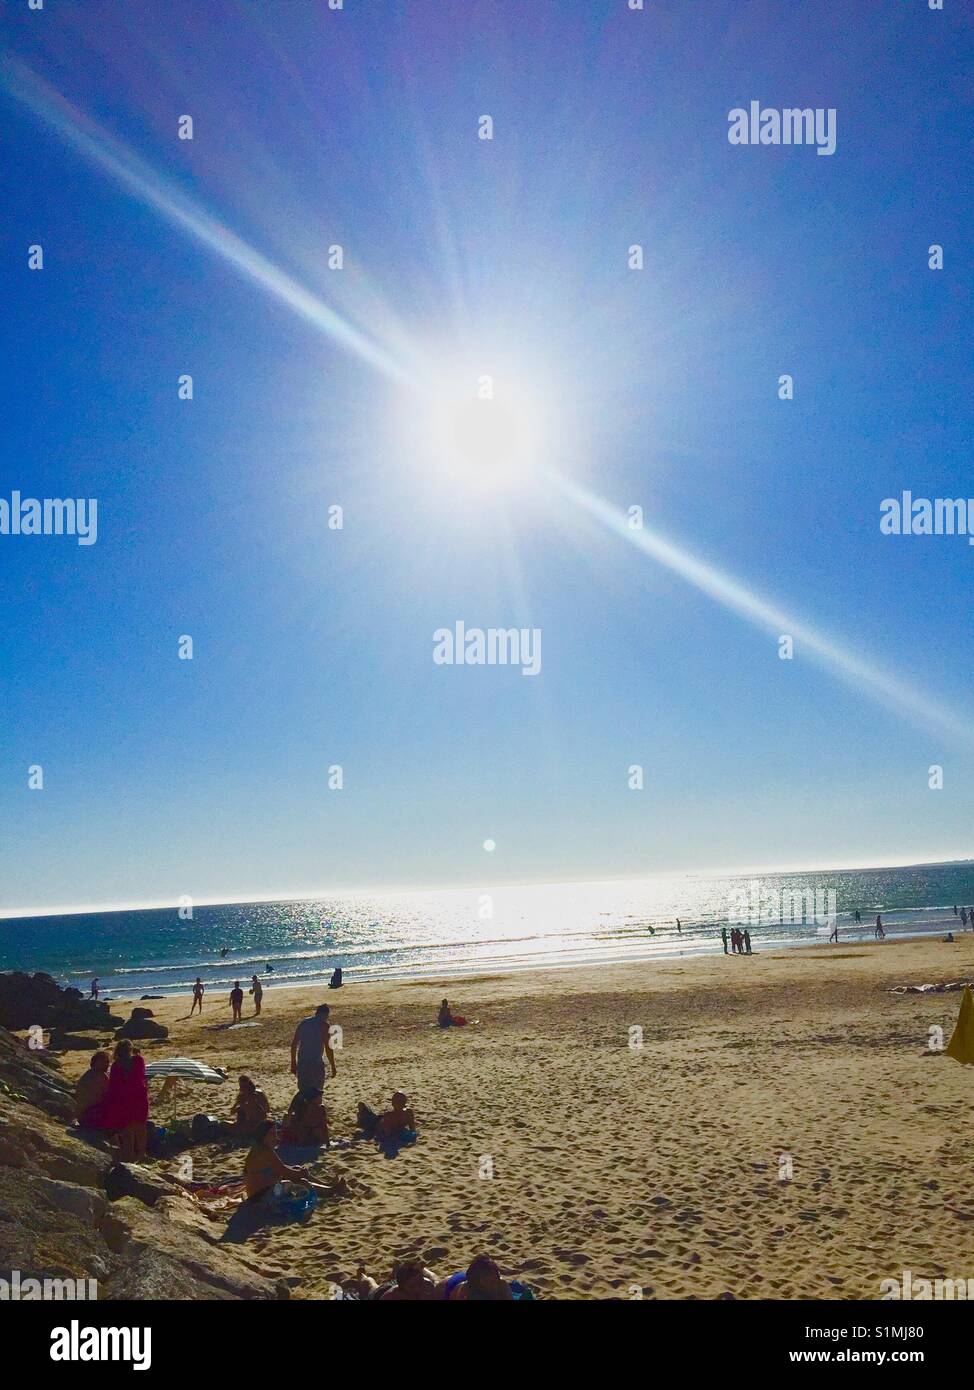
[620, 1169]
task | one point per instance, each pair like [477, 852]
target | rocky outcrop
[68, 1211]
[141, 1024]
[26, 1000]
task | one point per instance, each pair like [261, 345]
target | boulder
[141, 1025]
[134, 1180]
[33, 1076]
[26, 1000]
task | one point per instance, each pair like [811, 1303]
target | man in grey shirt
[309, 1047]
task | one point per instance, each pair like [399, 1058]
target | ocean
[455, 932]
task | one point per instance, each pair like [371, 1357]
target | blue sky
[314, 647]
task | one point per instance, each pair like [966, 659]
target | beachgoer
[482, 1283]
[89, 1091]
[250, 1109]
[723, 937]
[306, 1121]
[198, 990]
[225, 951]
[236, 1001]
[963, 916]
[858, 915]
[396, 1120]
[834, 936]
[678, 927]
[879, 933]
[747, 941]
[447, 1019]
[949, 936]
[263, 1168]
[125, 1105]
[257, 990]
[336, 978]
[309, 1046]
[94, 989]
[411, 1281]
[268, 969]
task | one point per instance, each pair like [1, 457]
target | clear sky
[508, 257]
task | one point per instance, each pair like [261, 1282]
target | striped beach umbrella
[184, 1069]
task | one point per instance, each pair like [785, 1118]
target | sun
[478, 430]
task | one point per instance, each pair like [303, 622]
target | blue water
[458, 931]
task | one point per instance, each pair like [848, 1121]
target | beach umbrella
[961, 1045]
[184, 1069]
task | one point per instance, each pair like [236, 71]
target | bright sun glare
[479, 431]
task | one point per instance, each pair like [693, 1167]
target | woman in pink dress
[125, 1106]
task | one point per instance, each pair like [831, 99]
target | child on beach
[306, 1122]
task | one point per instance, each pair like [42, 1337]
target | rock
[84, 1202]
[29, 999]
[133, 1180]
[151, 1240]
[140, 1025]
[11, 1156]
[33, 1076]
[151, 996]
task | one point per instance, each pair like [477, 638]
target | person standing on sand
[879, 933]
[723, 937]
[236, 1001]
[835, 932]
[197, 997]
[309, 1046]
[257, 991]
[125, 1106]
[747, 942]
[94, 990]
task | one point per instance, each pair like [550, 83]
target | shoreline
[667, 950]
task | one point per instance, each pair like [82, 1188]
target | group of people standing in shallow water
[740, 941]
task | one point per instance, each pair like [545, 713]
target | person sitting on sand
[949, 937]
[89, 1090]
[306, 1122]
[236, 1001]
[257, 990]
[198, 990]
[125, 1106]
[446, 1019]
[392, 1124]
[482, 1283]
[250, 1109]
[336, 978]
[411, 1282]
[263, 1168]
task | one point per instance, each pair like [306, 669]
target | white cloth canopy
[184, 1069]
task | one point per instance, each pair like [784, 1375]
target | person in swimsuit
[198, 989]
[236, 1001]
[412, 1282]
[263, 1168]
[309, 1046]
[482, 1283]
[257, 991]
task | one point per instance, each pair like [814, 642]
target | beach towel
[961, 1045]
